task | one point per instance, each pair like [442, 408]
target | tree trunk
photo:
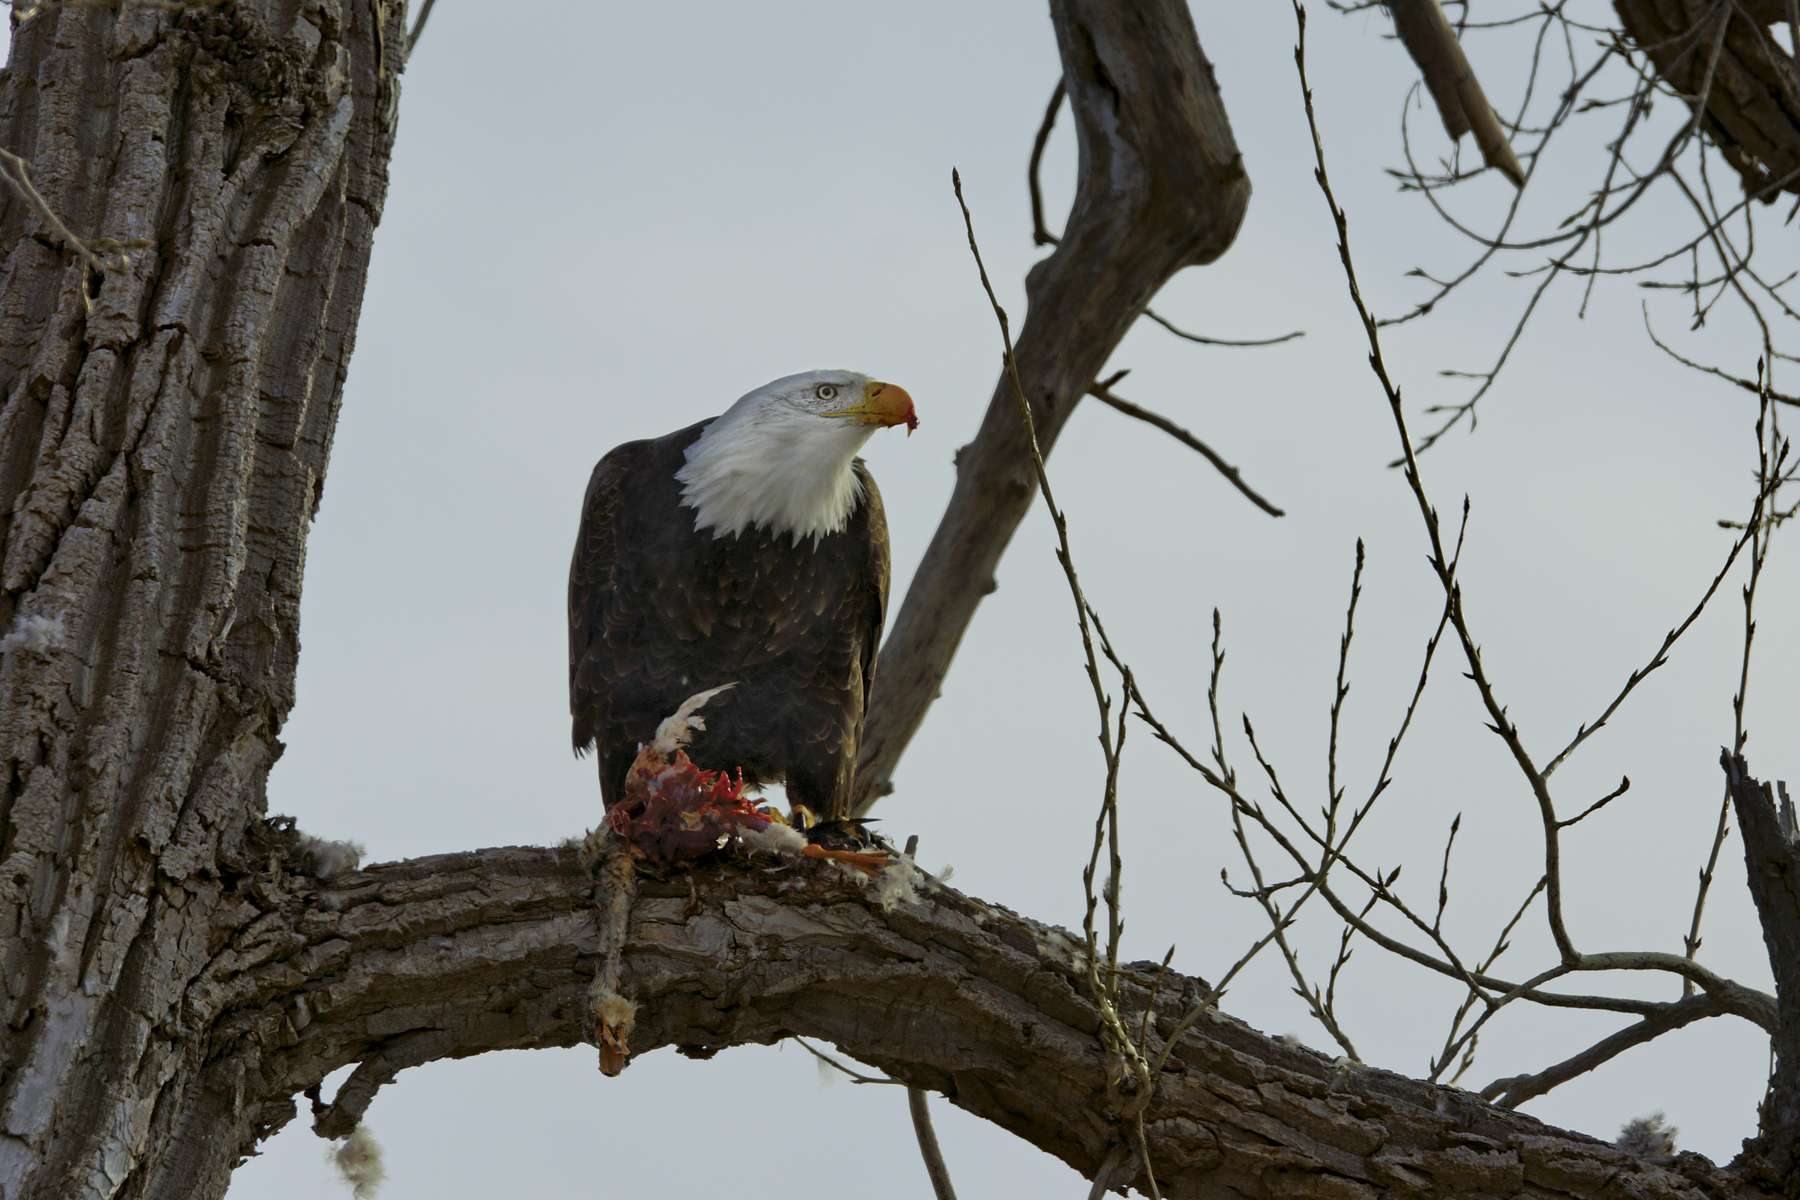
[163, 442]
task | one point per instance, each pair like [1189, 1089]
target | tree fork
[165, 421]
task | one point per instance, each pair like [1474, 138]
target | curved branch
[1101, 390]
[453, 955]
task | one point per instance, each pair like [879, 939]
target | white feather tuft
[783, 841]
[1647, 1137]
[679, 728]
[358, 1160]
[326, 859]
[34, 634]
[897, 884]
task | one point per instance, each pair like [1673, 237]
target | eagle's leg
[836, 834]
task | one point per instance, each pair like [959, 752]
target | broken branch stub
[1462, 105]
[1772, 864]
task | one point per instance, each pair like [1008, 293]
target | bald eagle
[748, 549]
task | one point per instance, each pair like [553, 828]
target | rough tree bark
[171, 978]
[1772, 864]
[163, 440]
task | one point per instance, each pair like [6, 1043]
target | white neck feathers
[786, 470]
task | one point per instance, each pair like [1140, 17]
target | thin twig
[18, 175]
[1661, 655]
[1498, 720]
[1040, 233]
[1205, 340]
[1100, 390]
[418, 29]
[1602, 802]
[1443, 901]
[854, 1075]
[1105, 989]
[1770, 461]
[918, 1103]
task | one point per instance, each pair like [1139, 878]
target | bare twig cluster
[1316, 850]
[1317, 847]
[1715, 55]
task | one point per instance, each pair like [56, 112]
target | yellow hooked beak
[883, 404]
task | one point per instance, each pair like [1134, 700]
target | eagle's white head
[780, 457]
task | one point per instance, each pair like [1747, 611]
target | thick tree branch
[453, 955]
[1161, 186]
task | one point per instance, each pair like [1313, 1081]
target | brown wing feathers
[658, 612]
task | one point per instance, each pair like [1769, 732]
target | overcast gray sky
[608, 221]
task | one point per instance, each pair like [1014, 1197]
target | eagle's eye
[826, 391]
